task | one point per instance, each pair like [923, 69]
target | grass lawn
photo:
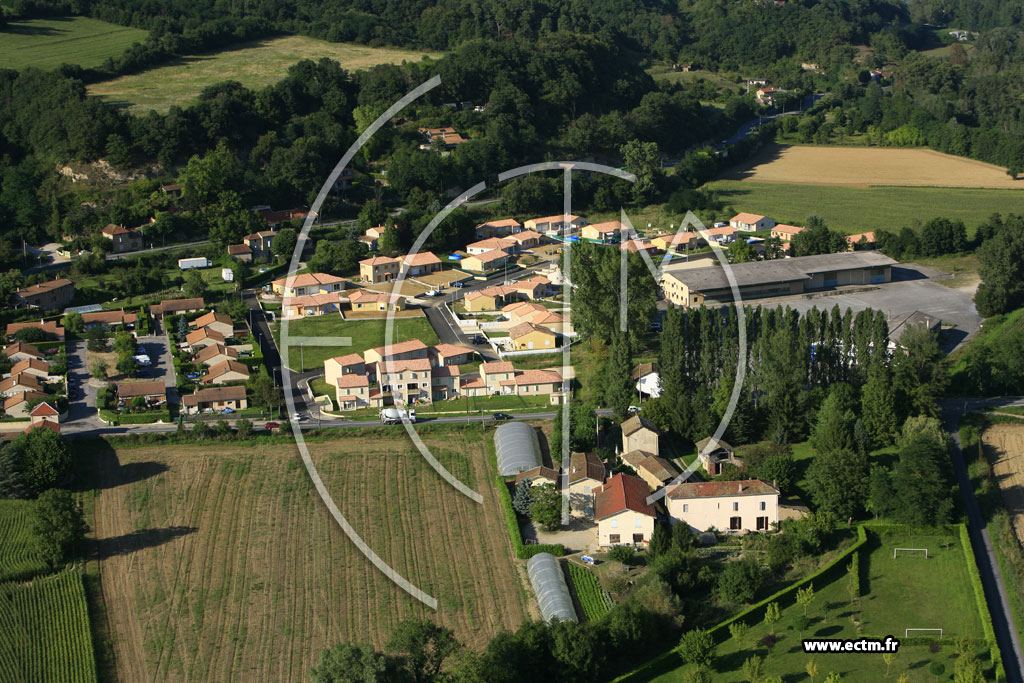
[963, 268]
[862, 209]
[365, 334]
[48, 43]
[665, 74]
[896, 594]
[254, 65]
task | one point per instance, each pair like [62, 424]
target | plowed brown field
[225, 566]
[1004, 448]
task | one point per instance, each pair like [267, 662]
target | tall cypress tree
[618, 389]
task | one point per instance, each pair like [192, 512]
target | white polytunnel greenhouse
[549, 585]
[517, 448]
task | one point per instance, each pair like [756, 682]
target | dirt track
[865, 166]
[1004, 448]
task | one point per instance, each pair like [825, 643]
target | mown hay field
[222, 563]
[869, 166]
[48, 43]
[254, 65]
[1004, 449]
[863, 209]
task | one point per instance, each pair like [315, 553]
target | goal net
[909, 551]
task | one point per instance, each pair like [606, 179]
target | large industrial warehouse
[760, 279]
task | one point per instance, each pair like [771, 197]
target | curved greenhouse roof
[517, 448]
[549, 585]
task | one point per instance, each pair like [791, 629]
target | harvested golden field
[254, 65]
[869, 166]
[219, 561]
[1004, 448]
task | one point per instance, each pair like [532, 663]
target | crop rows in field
[18, 557]
[44, 630]
[593, 599]
[227, 562]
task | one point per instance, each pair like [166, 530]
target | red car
[272, 425]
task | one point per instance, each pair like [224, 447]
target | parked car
[272, 425]
[459, 285]
[434, 292]
[632, 410]
[227, 411]
[298, 418]
[479, 339]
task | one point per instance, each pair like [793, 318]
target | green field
[44, 630]
[254, 65]
[365, 334]
[909, 592]
[18, 559]
[48, 43]
[858, 209]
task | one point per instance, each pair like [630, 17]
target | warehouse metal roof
[779, 270]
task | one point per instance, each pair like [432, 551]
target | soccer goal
[895, 551]
[906, 634]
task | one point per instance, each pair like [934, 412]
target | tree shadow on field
[98, 467]
[138, 540]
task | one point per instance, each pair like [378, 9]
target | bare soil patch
[223, 564]
[869, 166]
[1004, 448]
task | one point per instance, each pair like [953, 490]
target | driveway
[81, 410]
[158, 349]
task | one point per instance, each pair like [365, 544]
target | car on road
[459, 285]
[502, 416]
[272, 425]
[434, 292]
[298, 418]
[479, 339]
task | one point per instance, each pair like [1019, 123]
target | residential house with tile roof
[622, 513]
[586, 475]
[737, 506]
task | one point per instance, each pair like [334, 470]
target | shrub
[739, 581]
[697, 647]
[622, 553]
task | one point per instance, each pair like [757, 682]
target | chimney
[740, 483]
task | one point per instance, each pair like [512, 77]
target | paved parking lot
[950, 305]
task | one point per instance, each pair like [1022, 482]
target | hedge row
[979, 595]
[523, 551]
[134, 418]
[721, 631]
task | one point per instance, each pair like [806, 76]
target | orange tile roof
[203, 333]
[537, 377]
[214, 350]
[622, 492]
[555, 219]
[22, 347]
[223, 368]
[307, 279]
[30, 364]
[21, 397]
[399, 347]
[722, 489]
[413, 364]
[422, 258]
[132, 389]
[44, 409]
[520, 237]
[377, 260]
[348, 359]
[492, 243]
[606, 227]
[746, 217]
[446, 350]
[585, 466]
[488, 256]
[352, 380]
[211, 317]
[502, 223]
[525, 328]
[497, 367]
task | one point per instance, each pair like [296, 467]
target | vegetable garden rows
[18, 559]
[594, 601]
